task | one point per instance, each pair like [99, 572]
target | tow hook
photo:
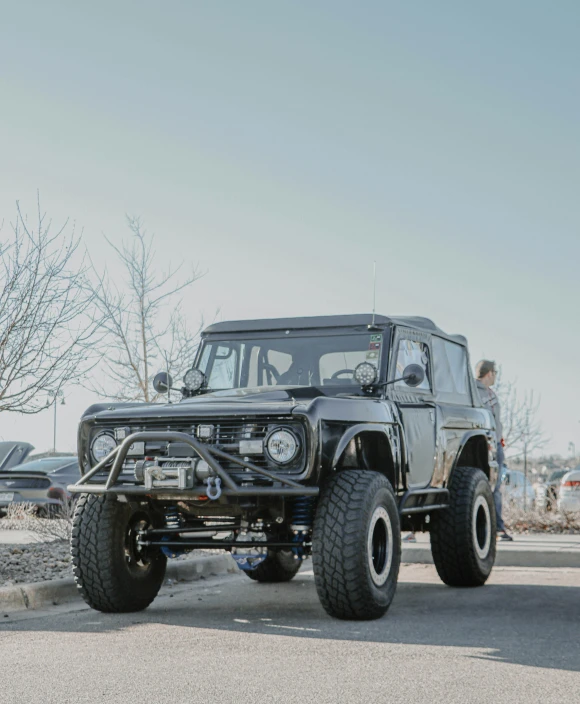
[214, 488]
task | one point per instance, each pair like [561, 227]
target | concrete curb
[37, 595]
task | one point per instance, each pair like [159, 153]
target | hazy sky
[284, 146]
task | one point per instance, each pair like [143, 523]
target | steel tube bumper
[282, 485]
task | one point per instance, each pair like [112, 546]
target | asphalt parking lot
[227, 639]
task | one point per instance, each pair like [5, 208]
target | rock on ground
[35, 562]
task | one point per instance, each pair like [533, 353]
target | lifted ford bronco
[318, 436]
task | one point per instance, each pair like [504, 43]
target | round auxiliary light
[365, 373]
[282, 446]
[194, 379]
[102, 445]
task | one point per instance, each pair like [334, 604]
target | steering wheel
[271, 369]
[340, 372]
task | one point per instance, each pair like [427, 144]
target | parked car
[320, 436]
[518, 492]
[569, 496]
[41, 483]
[548, 492]
[13, 453]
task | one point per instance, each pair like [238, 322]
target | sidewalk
[533, 550]
[20, 537]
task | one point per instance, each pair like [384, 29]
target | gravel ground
[35, 562]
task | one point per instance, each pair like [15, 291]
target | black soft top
[362, 320]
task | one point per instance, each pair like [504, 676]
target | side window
[413, 352]
[450, 372]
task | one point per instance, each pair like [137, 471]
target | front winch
[174, 473]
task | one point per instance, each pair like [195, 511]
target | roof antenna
[372, 326]
[374, 291]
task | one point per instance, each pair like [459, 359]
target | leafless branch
[522, 430]
[143, 323]
[47, 321]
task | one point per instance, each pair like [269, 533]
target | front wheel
[113, 572]
[463, 536]
[356, 545]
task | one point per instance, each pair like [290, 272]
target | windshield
[44, 465]
[325, 360]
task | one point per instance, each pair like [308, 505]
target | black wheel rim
[136, 555]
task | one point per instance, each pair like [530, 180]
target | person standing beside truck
[485, 376]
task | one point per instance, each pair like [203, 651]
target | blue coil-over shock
[302, 521]
[172, 520]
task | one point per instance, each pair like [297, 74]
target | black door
[416, 406]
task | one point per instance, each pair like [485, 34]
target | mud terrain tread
[277, 567]
[451, 541]
[339, 543]
[96, 524]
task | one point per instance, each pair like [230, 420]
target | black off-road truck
[321, 436]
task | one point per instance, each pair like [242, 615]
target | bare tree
[532, 436]
[522, 431]
[510, 405]
[46, 324]
[144, 326]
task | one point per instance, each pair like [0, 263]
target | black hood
[263, 400]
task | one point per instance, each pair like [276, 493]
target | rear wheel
[463, 536]
[113, 572]
[279, 566]
[356, 545]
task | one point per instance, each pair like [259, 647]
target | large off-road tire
[280, 566]
[356, 545]
[463, 536]
[111, 571]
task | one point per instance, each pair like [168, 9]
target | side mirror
[162, 382]
[413, 375]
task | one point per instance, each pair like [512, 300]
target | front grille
[226, 435]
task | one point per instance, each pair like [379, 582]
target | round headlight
[282, 446]
[102, 445]
[365, 373]
[194, 379]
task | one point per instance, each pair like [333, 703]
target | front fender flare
[351, 432]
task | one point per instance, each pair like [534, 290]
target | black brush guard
[281, 486]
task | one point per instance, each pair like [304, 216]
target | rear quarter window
[450, 372]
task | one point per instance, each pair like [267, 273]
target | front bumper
[279, 484]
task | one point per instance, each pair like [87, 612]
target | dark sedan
[41, 482]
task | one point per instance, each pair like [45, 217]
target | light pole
[572, 449]
[55, 395]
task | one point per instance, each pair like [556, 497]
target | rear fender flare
[489, 468]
